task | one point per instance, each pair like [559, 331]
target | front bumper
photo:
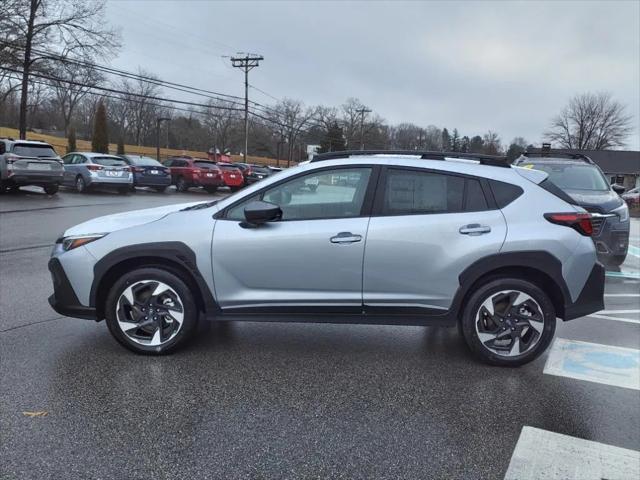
[591, 298]
[64, 300]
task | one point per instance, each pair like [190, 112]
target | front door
[304, 263]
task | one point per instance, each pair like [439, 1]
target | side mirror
[258, 212]
[619, 189]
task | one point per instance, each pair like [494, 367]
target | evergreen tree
[100, 139]
[120, 146]
[465, 144]
[334, 140]
[71, 141]
[476, 144]
[455, 141]
[446, 140]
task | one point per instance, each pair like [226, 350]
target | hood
[605, 200]
[119, 221]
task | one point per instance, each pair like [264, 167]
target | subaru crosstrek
[580, 178]
[413, 239]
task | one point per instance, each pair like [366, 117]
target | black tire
[181, 185]
[160, 189]
[124, 190]
[493, 286]
[234, 189]
[211, 189]
[190, 319]
[80, 184]
[3, 187]
[51, 189]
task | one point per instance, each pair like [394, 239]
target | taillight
[580, 222]
[94, 167]
[136, 169]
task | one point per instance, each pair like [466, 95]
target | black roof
[624, 162]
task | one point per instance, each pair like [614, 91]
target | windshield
[29, 150]
[261, 170]
[573, 177]
[108, 161]
[145, 162]
[228, 167]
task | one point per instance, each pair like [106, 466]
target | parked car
[499, 251]
[579, 177]
[148, 172]
[632, 197]
[86, 170]
[257, 173]
[232, 176]
[245, 168]
[28, 162]
[187, 172]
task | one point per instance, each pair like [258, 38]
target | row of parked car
[36, 163]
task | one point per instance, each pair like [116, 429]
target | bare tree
[141, 112]
[351, 122]
[39, 25]
[491, 143]
[290, 116]
[68, 95]
[221, 123]
[591, 122]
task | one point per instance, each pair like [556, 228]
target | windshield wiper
[200, 206]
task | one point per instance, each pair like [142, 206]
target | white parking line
[544, 455]
[618, 319]
[622, 294]
[593, 362]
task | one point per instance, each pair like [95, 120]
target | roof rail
[492, 160]
[556, 154]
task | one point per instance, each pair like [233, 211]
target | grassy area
[60, 145]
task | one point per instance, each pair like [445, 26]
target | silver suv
[394, 239]
[29, 162]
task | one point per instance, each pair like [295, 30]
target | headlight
[622, 212]
[75, 241]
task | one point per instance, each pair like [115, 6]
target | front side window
[335, 193]
[408, 192]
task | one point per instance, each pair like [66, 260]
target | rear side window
[552, 188]
[108, 161]
[504, 193]
[409, 192]
[30, 150]
[205, 165]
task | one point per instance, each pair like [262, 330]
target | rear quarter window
[504, 193]
[30, 150]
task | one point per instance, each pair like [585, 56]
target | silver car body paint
[401, 260]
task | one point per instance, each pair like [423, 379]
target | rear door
[426, 228]
[308, 262]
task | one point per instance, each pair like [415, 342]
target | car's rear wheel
[81, 185]
[51, 189]
[508, 322]
[160, 189]
[124, 190]
[211, 189]
[151, 311]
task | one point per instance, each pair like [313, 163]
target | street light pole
[158, 121]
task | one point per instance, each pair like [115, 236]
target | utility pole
[246, 63]
[362, 111]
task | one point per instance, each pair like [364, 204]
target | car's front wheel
[151, 311]
[81, 186]
[51, 189]
[508, 322]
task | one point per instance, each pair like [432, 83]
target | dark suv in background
[579, 177]
[29, 162]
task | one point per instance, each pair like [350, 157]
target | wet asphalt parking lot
[260, 400]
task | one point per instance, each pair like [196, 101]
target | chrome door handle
[346, 237]
[474, 229]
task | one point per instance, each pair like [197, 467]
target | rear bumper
[208, 182]
[613, 238]
[591, 298]
[110, 182]
[25, 177]
[151, 181]
[64, 300]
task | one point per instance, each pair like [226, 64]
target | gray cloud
[505, 66]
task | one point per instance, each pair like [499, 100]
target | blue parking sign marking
[593, 362]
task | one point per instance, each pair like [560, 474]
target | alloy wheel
[509, 323]
[150, 312]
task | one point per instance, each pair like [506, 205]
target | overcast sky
[504, 66]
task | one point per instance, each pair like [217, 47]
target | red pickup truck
[187, 172]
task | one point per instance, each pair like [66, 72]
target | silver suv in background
[29, 162]
[582, 180]
[404, 238]
[85, 170]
